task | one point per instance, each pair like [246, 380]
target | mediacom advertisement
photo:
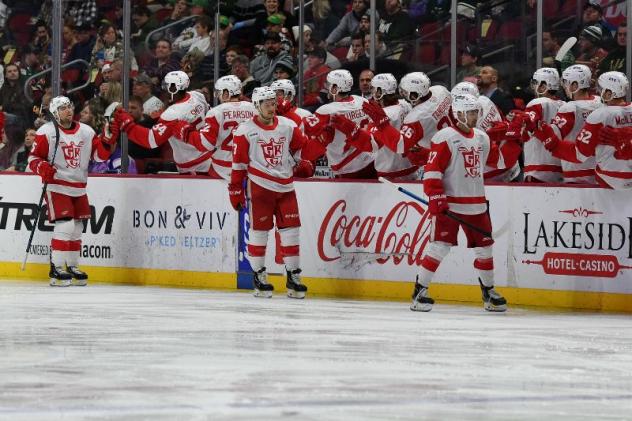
[153, 223]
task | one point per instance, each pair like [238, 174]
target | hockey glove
[182, 129]
[497, 132]
[516, 130]
[437, 204]
[345, 126]
[237, 196]
[46, 171]
[284, 106]
[547, 136]
[110, 134]
[418, 156]
[123, 119]
[376, 113]
[304, 169]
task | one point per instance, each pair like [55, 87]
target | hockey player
[570, 119]
[453, 180]
[539, 165]
[263, 149]
[493, 118]
[286, 91]
[611, 150]
[188, 106]
[345, 162]
[66, 176]
[220, 122]
[429, 114]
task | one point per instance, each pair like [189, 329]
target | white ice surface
[140, 353]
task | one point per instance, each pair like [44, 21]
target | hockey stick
[41, 200]
[448, 213]
[561, 53]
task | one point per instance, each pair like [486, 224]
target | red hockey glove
[284, 106]
[110, 134]
[46, 171]
[418, 156]
[123, 119]
[624, 149]
[516, 130]
[547, 136]
[345, 126]
[437, 204]
[304, 169]
[497, 132]
[376, 113]
[237, 196]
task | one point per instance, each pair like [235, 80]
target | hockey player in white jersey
[490, 121]
[613, 167]
[429, 114]
[286, 93]
[66, 198]
[540, 166]
[220, 122]
[189, 106]
[263, 155]
[570, 119]
[453, 181]
[345, 162]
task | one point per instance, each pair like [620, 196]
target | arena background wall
[555, 246]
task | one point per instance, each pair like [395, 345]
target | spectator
[107, 48]
[12, 98]
[282, 71]
[365, 24]
[232, 52]
[315, 77]
[341, 35]
[143, 87]
[30, 63]
[356, 51]
[263, 65]
[241, 69]
[68, 41]
[550, 47]
[364, 83]
[180, 11]
[19, 162]
[616, 61]
[593, 16]
[40, 44]
[380, 47]
[324, 20]
[589, 52]
[10, 143]
[488, 86]
[190, 64]
[200, 39]
[111, 92]
[271, 8]
[470, 60]
[162, 63]
[82, 49]
[396, 26]
[143, 24]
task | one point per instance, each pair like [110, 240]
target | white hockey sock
[484, 263]
[257, 241]
[61, 244]
[73, 256]
[433, 255]
[290, 247]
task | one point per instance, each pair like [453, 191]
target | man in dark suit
[488, 86]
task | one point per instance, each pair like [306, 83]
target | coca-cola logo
[401, 235]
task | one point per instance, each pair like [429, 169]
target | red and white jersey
[188, 158]
[567, 124]
[610, 171]
[424, 120]
[389, 163]
[455, 168]
[538, 162]
[266, 152]
[491, 114]
[340, 160]
[217, 134]
[77, 146]
[303, 113]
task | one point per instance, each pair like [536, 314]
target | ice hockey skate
[79, 277]
[295, 289]
[492, 300]
[421, 301]
[262, 288]
[59, 277]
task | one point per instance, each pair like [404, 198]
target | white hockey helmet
[615, 82]
[576, 73]
[385, 82]
[340, 78]
[464, 103]
[547, 75]
[414, 83]
[463, 88]
[178, 79]
[262, 94]
[285, 85]
[58, 102]
[230, 83]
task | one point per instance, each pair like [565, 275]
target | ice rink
[140, 353]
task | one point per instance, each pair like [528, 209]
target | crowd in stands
[258, 44]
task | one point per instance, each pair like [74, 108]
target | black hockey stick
[448, 213]
[44, 187]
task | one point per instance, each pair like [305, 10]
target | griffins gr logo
[72, 153]
[602, 243]
[471, 160]
[272, 151]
